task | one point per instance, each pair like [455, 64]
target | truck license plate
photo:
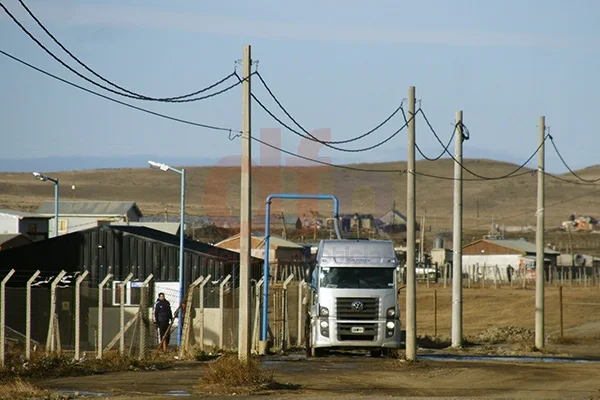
[357, 329]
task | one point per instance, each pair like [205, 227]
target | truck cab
[354, 298]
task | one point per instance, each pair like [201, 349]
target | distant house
[33, 226]
[12, 240]
[393, 217]
[79, 215]
[282, 253]
[350, 222]
[519, 255]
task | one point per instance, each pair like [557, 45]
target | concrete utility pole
[539, 239]
[245, 213]
[457, 336]
[411, 205]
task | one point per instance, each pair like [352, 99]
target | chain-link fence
[69, 315]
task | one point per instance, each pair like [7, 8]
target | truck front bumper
[356, 334]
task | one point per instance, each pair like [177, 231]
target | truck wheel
[319, 352]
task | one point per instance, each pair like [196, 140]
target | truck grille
[357, 309]
[358, 331]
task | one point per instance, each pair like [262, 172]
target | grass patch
[19, 389]
[42, 365]
[233, 375]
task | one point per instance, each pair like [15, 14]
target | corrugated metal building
[76, 216]
[121, 250]
[34, 226]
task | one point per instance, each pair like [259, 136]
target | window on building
[133, 293]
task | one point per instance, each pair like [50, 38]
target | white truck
[353, 303]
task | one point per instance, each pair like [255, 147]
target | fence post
[257, 297]
[100, 312]
[222, 311]
[28, 315]
[201, 303]
[560, 299]
[78, 281]
[50, 340]
[187, 324]
[123, 287]
[143, 319]
[3, 314]
[300, 314]
[434, 313]
[286, 330]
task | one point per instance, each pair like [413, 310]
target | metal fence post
[3, 314]
[100, 312]
[78, 281]
[143, 318]
[52, 326]
[28, 315]
[285, 325]
[123, 287]
[222, 310]
[300, 316]
[201, 304]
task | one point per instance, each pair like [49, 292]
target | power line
[558, 178]
[568, 167]
[311, 137]
[520, 167]
[445, 147]
[448, 178]
[217, 128]
[178, 99]
[192, 122]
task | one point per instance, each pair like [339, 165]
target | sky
[339, 67]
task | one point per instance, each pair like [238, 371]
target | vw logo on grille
[358, 306]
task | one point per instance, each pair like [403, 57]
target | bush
[18, 389]
[231, 372]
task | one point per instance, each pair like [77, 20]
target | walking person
[163, 316]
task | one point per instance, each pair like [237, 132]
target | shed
[80, 215]
[121, 250]
[32, 225]
[507, 254]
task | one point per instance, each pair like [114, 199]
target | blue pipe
[265, 307]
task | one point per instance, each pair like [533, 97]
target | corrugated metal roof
[392, 217]
[16, 213]
[521, 245]
[167, 227]
[89, 207]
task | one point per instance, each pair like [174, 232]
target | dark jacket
[162, 312]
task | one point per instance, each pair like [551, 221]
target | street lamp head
[39, 176]
[161, 166]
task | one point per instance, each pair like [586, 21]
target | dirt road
[360, 377]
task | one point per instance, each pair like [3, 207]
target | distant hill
[215, 191]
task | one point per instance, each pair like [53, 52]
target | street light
[45, 178]
[165, 167]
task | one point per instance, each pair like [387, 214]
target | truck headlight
[324, 324]
[324, 311]
[389, 325]
[391, 312]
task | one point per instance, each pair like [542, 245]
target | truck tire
[376, 353]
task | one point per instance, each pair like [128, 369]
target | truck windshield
[357, 278]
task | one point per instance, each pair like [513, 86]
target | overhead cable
[178, 99]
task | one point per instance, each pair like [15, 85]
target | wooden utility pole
[244, 333]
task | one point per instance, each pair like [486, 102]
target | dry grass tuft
[21, 390]
[234, 374]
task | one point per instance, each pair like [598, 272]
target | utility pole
[457, 335]
[539, 262]
[245, 213]
[411, 282]
[422, 240]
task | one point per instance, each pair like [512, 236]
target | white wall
[500, 260]
[9, 224]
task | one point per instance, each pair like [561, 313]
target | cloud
[155, 18]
